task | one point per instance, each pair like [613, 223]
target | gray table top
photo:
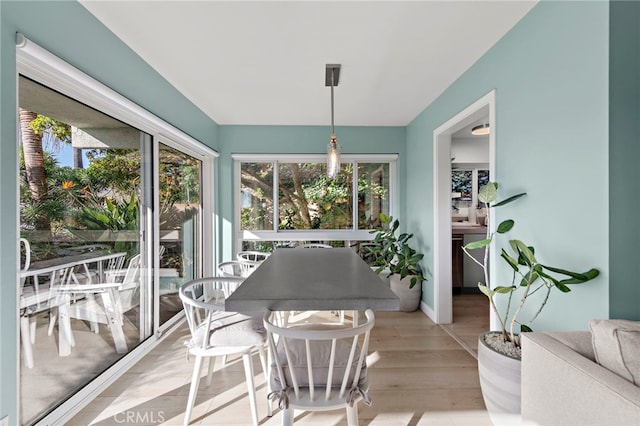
[313, 279]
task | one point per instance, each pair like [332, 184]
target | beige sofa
[563, 385]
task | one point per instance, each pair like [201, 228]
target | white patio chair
[36, 299]
[82, 275]
[215, 332]
[253, 256]
[319, 368]
[116, 299]
[27, 255]
[110, 269]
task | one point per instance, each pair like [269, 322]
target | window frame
[353, 234]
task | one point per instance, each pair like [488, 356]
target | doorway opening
[483, 110]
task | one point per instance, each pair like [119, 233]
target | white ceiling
[263, 62]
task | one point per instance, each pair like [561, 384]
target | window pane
[256, 196]
[308, 199]
[180, 223]
[373, 193]
[270, 246]
[80, 198]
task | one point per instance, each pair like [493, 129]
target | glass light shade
[333, 158]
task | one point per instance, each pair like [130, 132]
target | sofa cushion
[616, 344]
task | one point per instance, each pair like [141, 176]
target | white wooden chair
[27, 254]
[237, 268]
[215, 332]
[115, 299]
[319, 368]
[36, 299]
[111, 270]
[253, 256]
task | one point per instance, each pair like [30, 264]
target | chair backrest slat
[332, 361]
[310, 370]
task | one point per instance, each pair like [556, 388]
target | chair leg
[53, 315]
[212, 361]
[27, 349]
[265, 371]
[193, 389]
[352, 415]
[32, 328]
[287, 417]
[248, 371]
[114, 318]
[65, 335]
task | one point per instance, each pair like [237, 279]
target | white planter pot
[384, 275]
[500, 384]
[409, 297]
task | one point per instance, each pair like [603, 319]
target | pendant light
[332, 76]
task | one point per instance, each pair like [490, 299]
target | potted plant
[499, 351]
[394, 257]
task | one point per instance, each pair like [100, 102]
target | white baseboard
[429, 312]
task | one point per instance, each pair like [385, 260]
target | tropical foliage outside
[307, 199]
[62, 207]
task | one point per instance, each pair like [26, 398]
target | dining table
[313, 279]
[40, 299]
[44, 267]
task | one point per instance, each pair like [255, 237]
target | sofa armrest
[562, 387]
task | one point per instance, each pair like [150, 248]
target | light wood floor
[420, 375]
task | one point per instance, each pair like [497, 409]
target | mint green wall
[69, 31]
[296, 140]
[550, 73]
[624, 158]
[8, 220]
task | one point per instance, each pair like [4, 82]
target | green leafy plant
[393, 252]
[529, 276]
[113, 216]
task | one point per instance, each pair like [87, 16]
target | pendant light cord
[332, 127]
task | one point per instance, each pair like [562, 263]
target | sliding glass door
[84, 282]
[114, 218]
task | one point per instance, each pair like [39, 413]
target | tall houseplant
[499, 351]
[529, 276]
[394, 257]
